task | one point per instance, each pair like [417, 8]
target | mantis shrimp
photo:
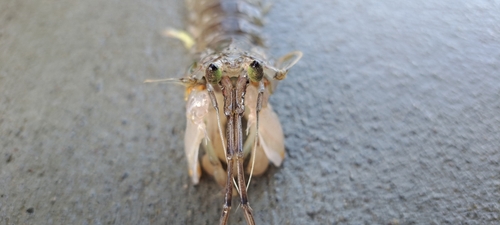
[227, 89]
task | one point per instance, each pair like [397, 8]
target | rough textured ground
[392, 116]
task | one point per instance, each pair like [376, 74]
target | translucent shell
[196, 112]
[271, 138]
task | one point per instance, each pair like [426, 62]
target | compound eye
[255, 71]
[213, 74]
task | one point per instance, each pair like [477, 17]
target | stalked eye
[213, 74]
[255, 71]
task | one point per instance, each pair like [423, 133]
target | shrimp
[228, 84]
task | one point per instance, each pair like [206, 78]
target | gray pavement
[391, 117]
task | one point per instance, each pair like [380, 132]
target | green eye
[213, 74]
[255, 71]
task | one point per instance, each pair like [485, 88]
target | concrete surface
[391, 117]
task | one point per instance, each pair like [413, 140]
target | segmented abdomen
[215, 24]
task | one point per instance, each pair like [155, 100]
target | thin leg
[240, 90]
[228, 196]
[258, 107]
[228, 93]
[241, 172]
[213, 99]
